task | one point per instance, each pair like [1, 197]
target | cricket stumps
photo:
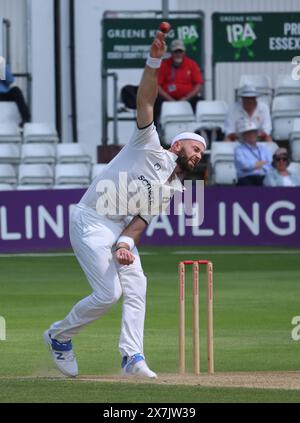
[209, 315]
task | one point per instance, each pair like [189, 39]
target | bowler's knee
[108, 297]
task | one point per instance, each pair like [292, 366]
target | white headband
[188, 136]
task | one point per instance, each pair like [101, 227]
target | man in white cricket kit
[104, 238]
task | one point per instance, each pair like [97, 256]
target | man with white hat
[106, 225]
[252, 160]
[248, 108]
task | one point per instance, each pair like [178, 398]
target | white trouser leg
[91, 239]
[134, 284]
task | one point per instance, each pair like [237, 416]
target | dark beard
[183, 163]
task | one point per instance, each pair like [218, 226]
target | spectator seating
[35, 174]
[9, 113]
[294, 140]
[263, 85]
[7, 174]
[38, 153]
[294, 167]
[29, 159]
[224, 173]
[174, 111]
[286, 85]
[173, 128]
[271, 145]
[222, 162]
[210, 117]
[285, 109]
[9, 133]
[69, 186]
[71, 153]
[9, 153]
[175, 117]
[40, 132]
[78, 173]
[6, 187]
[35, 187]
[211, 114]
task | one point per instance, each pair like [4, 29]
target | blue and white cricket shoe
[62, 355]
[137, 366]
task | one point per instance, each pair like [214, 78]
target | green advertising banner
[126, 41]
[255, 37]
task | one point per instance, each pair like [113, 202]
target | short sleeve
[146, 138]
[147, 218]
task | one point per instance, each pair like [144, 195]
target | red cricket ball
[164, 27]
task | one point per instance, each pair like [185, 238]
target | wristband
[126, 240]
[119, 248]
[153, 62]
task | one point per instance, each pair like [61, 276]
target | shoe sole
[138, 375]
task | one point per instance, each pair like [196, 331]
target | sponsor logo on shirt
[147, 184]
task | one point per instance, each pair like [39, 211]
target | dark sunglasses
[178, 51]
[279, 159]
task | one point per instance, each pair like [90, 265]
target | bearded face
[188, 158]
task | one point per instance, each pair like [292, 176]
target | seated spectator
[179, 78]
[279, 175]
[252, 161]
[248, 108]
[8, 93]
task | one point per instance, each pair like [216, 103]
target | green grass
[73, 392]
[255, 298]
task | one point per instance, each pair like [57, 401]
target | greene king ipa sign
[255, 37]
[126, 41]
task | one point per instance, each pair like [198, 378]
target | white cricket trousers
[92, 237]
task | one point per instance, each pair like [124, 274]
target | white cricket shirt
[137, 181]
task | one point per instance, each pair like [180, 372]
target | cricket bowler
[105, 244]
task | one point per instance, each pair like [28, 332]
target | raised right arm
[148, 88]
